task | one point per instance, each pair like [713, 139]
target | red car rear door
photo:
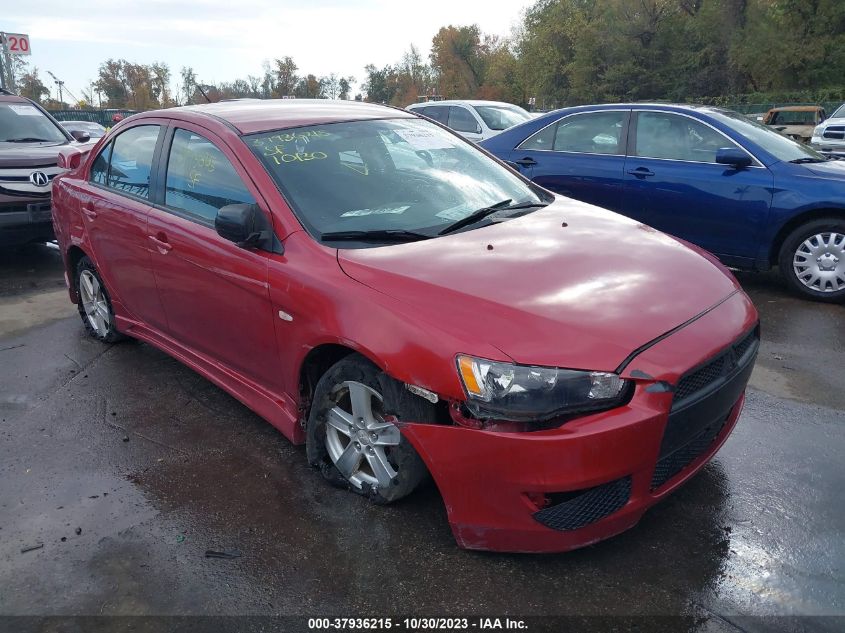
[114, 203]
[215, 293]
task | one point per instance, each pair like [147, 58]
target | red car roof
[258, 115]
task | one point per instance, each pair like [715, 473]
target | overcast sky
[227, 39]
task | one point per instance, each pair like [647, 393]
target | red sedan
[405, 305]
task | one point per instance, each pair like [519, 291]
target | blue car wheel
[812, 260]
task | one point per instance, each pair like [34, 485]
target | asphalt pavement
[121, 467]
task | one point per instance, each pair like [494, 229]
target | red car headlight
[506, 391]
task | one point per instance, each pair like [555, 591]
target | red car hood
[570, 285]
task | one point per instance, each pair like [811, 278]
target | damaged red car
[408, 307]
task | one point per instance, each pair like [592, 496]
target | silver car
[473, 119]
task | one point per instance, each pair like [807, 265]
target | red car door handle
[89, 212]
[161, 243]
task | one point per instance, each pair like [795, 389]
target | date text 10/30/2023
[417, 624]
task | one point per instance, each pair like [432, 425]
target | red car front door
[215, 293]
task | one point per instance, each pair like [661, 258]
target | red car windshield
[396, 174]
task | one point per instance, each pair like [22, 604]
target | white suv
[474, 120]
[829, 135]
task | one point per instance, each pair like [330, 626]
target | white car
[829, 135]
[472, 119]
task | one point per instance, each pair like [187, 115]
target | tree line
[568, 52]
[562, 52]
[124, 84]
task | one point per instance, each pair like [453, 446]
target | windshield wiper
[27, 139]
[376, 235]
[477, 216]
[808, 159]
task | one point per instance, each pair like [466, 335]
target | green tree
[381, 84]
[136, 86]
[189, 84]
[285, 76]
[112, 83]
[345, 85]
[31, 86]
[503, 79]
[458, 58]
[160, 84]
[309, 87]
[331, 86]
[789, 44]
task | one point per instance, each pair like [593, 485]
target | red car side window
[100, 167]
[200, 179]
[130, 162]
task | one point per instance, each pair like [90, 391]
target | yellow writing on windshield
[298, 157]
[290, 147]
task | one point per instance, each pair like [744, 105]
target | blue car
[713, 177]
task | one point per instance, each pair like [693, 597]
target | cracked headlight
[506, 391]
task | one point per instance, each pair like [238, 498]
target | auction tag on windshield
[455, 213]
[24, 110]
[424, 139]
[383, 211]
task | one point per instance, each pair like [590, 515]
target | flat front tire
[352, 441]
[94, 304]
[812, 260]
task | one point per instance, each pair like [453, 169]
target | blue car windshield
[781, 147]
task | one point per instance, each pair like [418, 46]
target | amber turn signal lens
[465, 364]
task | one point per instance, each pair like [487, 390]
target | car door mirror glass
[732, 156]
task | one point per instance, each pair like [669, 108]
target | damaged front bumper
[594, 477]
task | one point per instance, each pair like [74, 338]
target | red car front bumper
[594, 477]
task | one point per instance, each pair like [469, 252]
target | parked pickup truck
[796, 122]
[30, 145]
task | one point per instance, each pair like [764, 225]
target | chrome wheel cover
[357, 436]
[819, 262]
[94, 303]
